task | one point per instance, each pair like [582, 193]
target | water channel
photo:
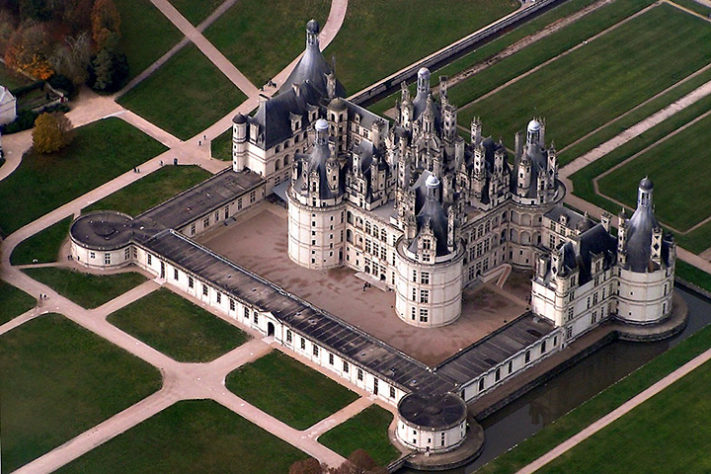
[542, 405]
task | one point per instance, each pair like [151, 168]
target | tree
[108, 71]
[39, 10]
[359, 462]
[307, 466]
[105, 23]
[52, 132]
[28, 50]
[77, 14]
[73, 59]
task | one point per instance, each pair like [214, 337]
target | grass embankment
[196, 12]
[146, 34]
[695, 7]
[59, 380]
[693, 275]
[87, 290]
[13, 302]
[100, 152]
[600, 405]
[260, 45]
[592, 85]
[288, 390]
[191, 436]
[380, 37]
[672, 426]
[367, 430]
[151, 190]
[43, 246]
[185, 95]
[177, 327]
[695, 241]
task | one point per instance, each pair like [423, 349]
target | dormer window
[426, 244]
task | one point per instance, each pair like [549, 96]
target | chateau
[415, 208]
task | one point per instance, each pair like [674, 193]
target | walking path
[207, 48]
[617, 413]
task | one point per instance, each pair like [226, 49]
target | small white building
[8, 106]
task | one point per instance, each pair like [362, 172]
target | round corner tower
[428, 279]
[316, 206]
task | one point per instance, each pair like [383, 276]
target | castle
[415, 207]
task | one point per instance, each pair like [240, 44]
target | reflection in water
[539, 407]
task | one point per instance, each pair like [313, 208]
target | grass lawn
[367, 430]
[152, 190]
[693, 275]
[694, 6]
[288, 390]
[43, 246]
[185, 95]
[59, 380]
[196, 11]
[191, 436]
[696, 241]
[100, 152]
[261, 45]
[146, 34]
[379, 37]
[680, 168]
[13, 302]
[177, 327]
[671, 426]
[222, 146]
[491, 48]
[601, 404]
[587, 88]
[87, 290]
[633, 117]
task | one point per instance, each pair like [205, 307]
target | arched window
[277, 164]
[286, 160]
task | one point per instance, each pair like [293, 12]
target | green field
[587, 88]
[177, 327]
[191, 436]
[695, 7]
[693, 275]
[185, 95]
[680, 168]
[696, 241]
[601, 404]
[379, 37]
[151, 190]
[13, 302]
[629, 119]
[43, 246]
[59, 380]
[87, 290]
[196, 11]
[670, 433]
[288, 390]
[491, 48]
[222, 146]
[146, 34]
[100, 152]
[367, 430]
[261, 45]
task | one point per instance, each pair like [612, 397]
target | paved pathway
[617, 413]
[207, 48]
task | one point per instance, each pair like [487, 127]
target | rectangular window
[239, 204]
[252, 196]
[412, 312]
[414, 294]
[288, 334]
[425, 278]
[127, 255]
[256, 321]
[543, 347]
[191, 282]
[423, 315]
[246, 312]
[148, 258]
[303, 344]
[392, 392]
[345, 366]
[360, 374]
[204, 290]
[175, 274]
[570, 313]
[424, 296]
[330, 359]
[232, 304]
[206, 222]
[107, 259]
[192, 229]
[218, 296]
[414, 276]
[528, 356]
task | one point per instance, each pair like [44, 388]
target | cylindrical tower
[431, 423]
[239, 142]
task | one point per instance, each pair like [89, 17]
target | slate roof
[594, 241]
